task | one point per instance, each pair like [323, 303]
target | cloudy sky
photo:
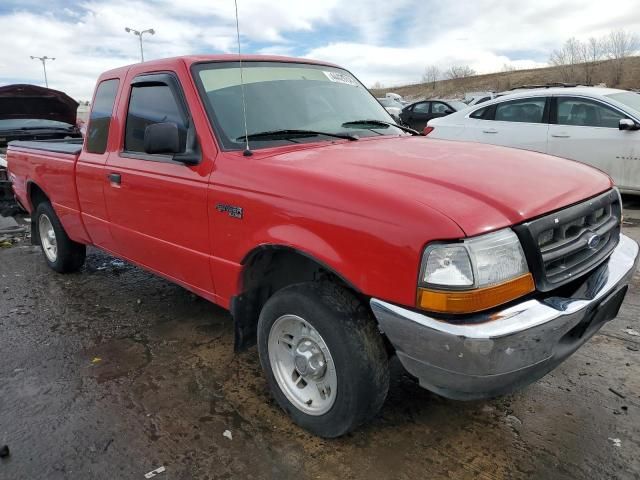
[380, 41]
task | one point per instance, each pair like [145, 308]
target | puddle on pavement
[117, 358]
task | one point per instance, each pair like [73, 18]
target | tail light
[427, 131]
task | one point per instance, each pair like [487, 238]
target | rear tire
[323, 357]
[60, 252]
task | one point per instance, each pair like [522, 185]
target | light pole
[139, 34]
[44, 66]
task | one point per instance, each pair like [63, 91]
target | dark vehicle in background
[29, 112]
[419, 113]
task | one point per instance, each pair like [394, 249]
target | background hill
[602, 72]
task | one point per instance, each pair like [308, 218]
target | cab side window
[526, 110]
[100, 120]
[151, 104]
[581, 112]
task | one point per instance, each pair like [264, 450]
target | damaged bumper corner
[493, 354]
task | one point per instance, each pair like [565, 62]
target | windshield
[630, 99]
[27, 123]
[287, 96]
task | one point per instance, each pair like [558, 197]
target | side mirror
[628, 124]
[448, 111]
[162, 138]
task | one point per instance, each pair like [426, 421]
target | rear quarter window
[100, 119]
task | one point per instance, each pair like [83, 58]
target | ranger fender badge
[233, 211]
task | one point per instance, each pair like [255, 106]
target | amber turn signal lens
[470, 301]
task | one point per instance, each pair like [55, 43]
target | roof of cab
[166, 63]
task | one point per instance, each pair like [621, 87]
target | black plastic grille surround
[571, 242]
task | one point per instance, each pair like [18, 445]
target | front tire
[323, 356]
[60, 252]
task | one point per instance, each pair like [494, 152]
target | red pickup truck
[280, 189]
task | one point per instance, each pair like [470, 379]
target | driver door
[157, 206]
[587, 131]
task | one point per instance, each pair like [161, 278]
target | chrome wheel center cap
[309, 360]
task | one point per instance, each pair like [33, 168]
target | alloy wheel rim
[302, 365]
[48, 238]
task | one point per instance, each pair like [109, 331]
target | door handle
[490, 130]
[114, 178]
[560, 135]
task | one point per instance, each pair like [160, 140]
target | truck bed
[50, 166]
[71, 146]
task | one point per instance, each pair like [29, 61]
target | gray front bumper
[492, 354]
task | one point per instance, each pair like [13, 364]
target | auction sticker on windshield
[341, 77]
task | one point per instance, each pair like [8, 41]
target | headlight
[473, 275]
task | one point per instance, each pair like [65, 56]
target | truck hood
[480, 187]
[31, 101]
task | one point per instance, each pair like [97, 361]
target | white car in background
[392, 106]
[597, 126]
[397, 98]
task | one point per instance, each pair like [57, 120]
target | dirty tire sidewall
[356, 346]
[71, 255]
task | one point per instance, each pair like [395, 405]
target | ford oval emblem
[594, 240]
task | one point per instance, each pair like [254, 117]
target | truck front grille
[571, 242]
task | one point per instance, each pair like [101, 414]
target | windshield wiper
[380, 123]
[285, 133]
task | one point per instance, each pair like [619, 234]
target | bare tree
[508, 67]
[595, 50]
[591, 53]
[619, 45]
[431, 75]
[567, 58]
[459, 71]
[377, 86]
